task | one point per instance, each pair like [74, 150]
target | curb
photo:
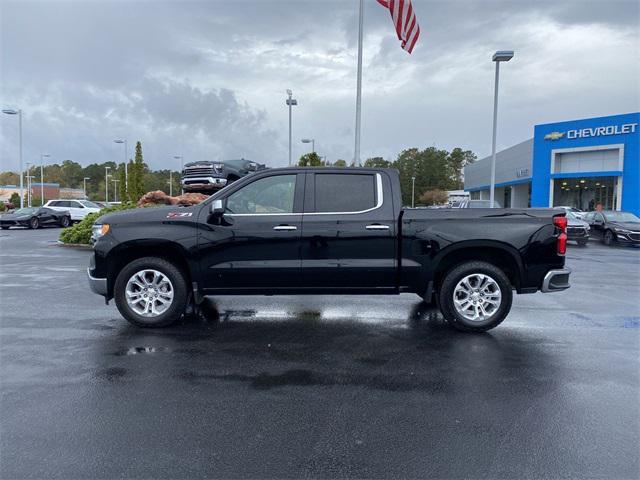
[79, 246]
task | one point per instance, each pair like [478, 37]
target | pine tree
[122, 183]
[139, 169]
[131, 194]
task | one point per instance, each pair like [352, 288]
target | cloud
[208, 79]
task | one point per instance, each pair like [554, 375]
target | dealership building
[578, 163]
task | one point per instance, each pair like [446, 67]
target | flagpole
[356, 156]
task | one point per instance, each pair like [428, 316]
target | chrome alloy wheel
[149, 293]
[477, 297]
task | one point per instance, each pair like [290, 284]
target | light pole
[106, 184]
[18, 112]
[176, 157]
[171, 183]
[42, 157]
[126, 161]
[499, 56]
[413, 192]
[312, 141]
[84, 187]
[29, 184]
[290, 102]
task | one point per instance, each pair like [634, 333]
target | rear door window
[346, 193]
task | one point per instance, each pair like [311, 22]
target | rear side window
[339, 192]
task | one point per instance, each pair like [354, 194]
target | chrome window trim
[377, 206]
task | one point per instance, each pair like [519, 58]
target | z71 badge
[179, 214]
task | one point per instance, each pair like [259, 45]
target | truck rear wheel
[151, 292]
[475, 296]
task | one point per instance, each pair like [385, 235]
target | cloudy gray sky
[207, 79]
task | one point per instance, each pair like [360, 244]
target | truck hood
[151, 214]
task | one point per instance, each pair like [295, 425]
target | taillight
[561, 223]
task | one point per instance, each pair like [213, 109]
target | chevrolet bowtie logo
[553, 136]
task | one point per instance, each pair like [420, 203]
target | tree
[70, 174]
[340, 163]
[9, 178]
[377, 162]
[132, 181]
[310, 160]
[456, 161]
[136, 175]
[434, 197]
[122, 183]
[15, 199]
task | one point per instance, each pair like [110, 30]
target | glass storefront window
[585, 193]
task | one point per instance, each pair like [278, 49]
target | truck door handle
[285, 228]
[377, 226]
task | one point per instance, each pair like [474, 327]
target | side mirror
[217, 208]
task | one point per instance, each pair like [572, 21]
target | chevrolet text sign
[600, 131]
[593, 132]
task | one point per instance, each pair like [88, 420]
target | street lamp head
[45, 155]
[502, 56]
[177, 157]
[118, 141]
[87, 178]
[289, 92]
[307, 140]
[10, 111]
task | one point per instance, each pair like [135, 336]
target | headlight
[98, 230]
[622, 230]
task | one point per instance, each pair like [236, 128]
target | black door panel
[348, 250]
[254, 251]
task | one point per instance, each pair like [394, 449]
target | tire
[608, 238]
[494, 280]
[177, 284]
[65, 222]
[34, 223]
[582, 243]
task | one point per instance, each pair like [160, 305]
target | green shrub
[80, 233]
[2, 207]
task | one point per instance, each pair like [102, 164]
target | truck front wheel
[151, 292]
[475, 296]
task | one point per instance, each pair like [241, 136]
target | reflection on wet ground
[316, 387]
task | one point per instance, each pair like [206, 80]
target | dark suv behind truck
[326, 231]
[208, 177]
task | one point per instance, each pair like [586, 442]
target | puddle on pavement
[143, 350]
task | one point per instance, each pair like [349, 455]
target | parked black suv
[208, 177]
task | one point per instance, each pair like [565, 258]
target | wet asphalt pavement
[309, 387]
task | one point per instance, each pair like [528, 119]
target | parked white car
[77, 208]
[576, 211]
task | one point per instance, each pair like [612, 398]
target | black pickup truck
[325, 231]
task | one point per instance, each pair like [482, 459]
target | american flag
[404, 20]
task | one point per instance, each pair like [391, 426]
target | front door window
[268, 195]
